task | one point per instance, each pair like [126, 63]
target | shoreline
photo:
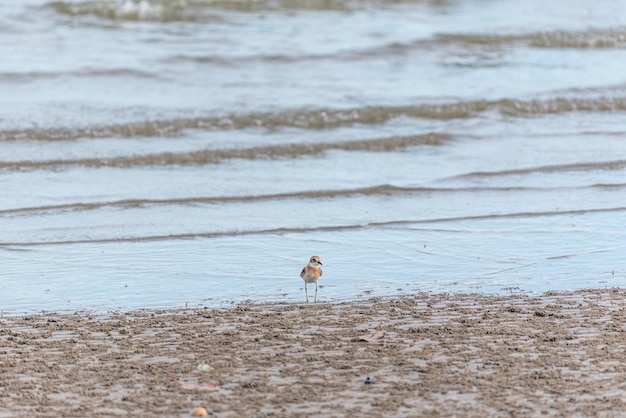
[560, 353]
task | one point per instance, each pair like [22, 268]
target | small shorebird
[310, 274]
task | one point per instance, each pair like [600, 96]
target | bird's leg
[315, 300]
[306, 293]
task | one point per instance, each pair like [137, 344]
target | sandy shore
[442, 355]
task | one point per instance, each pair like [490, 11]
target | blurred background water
[170, 153]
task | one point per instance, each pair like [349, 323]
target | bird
[310, 274]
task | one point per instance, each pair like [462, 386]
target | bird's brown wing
[302, 272]
[321, 272]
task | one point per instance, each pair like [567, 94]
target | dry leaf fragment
[199, 412]
[191, 386]
[373, 336]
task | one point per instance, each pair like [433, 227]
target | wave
[26, 77]
[384, 189]
[336, 228]
[556, 168]
[449, 43]
[239, 61]
[591, 38]
[204, 10]
[379, 190]
[209, 11]
[203, 157]
[323, 119]
[613, 38]
[134, 10]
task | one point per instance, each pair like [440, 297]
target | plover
[310, 274]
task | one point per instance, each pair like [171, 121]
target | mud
[442, 355]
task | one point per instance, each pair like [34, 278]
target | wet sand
[442, 355]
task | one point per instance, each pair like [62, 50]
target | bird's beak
[320, 263]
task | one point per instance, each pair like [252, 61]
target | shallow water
[171, 153]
